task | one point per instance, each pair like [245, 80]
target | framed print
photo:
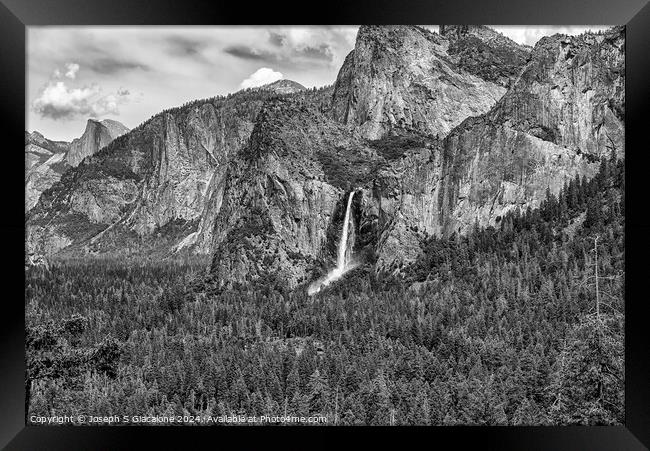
[360, 222]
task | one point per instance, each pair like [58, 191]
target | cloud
[71, 70]
[297, 48]
[304, 55]
[321, 43]
[276, 39]
[250, 53]
[57, 101]
[179, 45]
[261, 77]
[322, 52]
[109, 65]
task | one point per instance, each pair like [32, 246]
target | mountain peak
[402, 77]
[96, 135]
[284, 86]
[115, 128]
[483, 32]
[38, 139]
[396, 36]
[483, 51]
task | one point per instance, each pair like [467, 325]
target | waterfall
[344, 261]
[341, 259]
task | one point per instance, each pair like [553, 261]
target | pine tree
[353, 412]
[421, 408]
[293, 382]
[593, 219]
[381, 404]
[563, 209]
[589, 379]
[318, 393]
[528, 414]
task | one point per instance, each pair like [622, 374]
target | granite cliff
[97, 134]
[401, 77]
[282, 199]
[484, 52]
[44, 164]
[561, 115]
[46, 160]
[148, 188]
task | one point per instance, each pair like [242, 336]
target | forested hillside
[516, 324]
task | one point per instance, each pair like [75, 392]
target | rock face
[276, 206]
[485, 53]
[44, 164]
[561, 115]
[115, 128]
[434, 133]
[284, 87]
[285, 192]
[160, 176]
[402, 77]
[97, 135]
[572, 93]
[46, 160]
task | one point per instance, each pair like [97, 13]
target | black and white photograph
[379, 225]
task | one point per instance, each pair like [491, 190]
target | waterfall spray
[344, 261]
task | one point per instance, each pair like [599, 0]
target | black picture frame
[16, 15]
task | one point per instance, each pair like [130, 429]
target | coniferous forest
[515, 324]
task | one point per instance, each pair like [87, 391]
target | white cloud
[261, 77]
[59, 101]
[71, 70]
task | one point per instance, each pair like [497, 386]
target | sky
[131, 73]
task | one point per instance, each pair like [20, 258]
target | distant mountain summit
[115, 128]
[44, 164]
[47, 160]
[37, 140]
[97, 135]
[284, 87]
